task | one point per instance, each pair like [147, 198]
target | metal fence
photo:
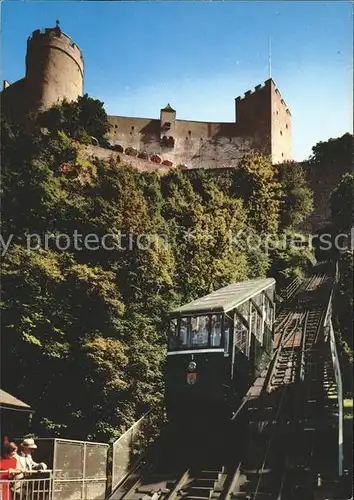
[131, 446]
[27, 489]
[79, 470]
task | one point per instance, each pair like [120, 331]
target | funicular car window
[240, 335]
[199, 330]
[253, 320]
[183, 333]
[243, 309]
[215, 338]
[173, 340]
[265, 308]
[269, 312]
[228, 324]
[259, 327]
[267, 339]
[258, 299]
[271, 317]
[270, 292]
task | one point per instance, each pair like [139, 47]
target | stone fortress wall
[54, 67]
[211, 144]
[55, 70]
[195, 144]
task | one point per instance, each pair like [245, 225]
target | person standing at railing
[8, 468]
[27, 463]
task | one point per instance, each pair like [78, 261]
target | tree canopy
[80, 119]
[297, 202]
[99, 253]
[337, 151]
[342, 203]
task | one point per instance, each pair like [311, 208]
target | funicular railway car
[218, 345]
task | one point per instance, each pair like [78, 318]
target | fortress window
[277, 112]
[133, 127]
[167, 142]
[286, 126]
[281, 132]
[189, 132]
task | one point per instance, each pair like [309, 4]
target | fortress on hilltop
[55, 71]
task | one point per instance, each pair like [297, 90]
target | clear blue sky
[199, 56]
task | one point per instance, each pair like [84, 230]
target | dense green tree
[338, 151]
[342, 203]
[344, 296]
[255, 182]
[290, 262]
[296, 200]
[343, 319]
[52, 307]
[90, 319]
[81, 119]
[203, 223]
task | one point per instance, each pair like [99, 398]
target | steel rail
[270, 442]
[314, 282]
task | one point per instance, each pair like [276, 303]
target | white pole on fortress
[270, 57]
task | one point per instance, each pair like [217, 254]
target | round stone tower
[54, 68]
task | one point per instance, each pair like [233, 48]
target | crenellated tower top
[56, 38]
[54, 67]
[268, 84]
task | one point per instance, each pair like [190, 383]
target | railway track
[281, 442]
[262, 467]
[272, 451]
[189, 467]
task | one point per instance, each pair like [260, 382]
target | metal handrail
[338, 377]
[337, 372]
[291, 288]
[23, 489]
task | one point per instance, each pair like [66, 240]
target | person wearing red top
[8, 468]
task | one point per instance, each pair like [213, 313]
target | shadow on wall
[220, 152]
[150, 131]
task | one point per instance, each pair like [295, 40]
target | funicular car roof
[225, 298]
